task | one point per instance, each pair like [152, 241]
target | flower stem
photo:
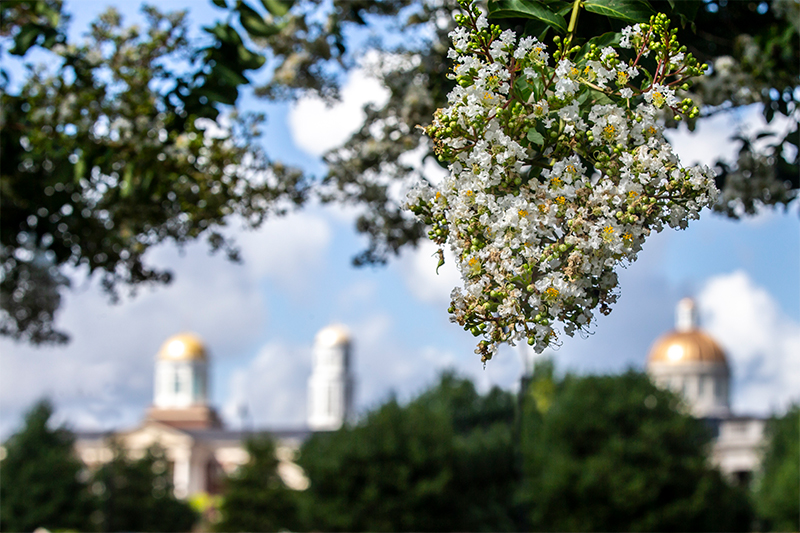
[573, 21]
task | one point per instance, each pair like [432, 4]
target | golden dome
[183, 347]
[679, 347]
[333, 335]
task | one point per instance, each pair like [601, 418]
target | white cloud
[710, 140]
[317, 127]
[272, 387]
[762, 342]
[103, 377]
[289, 249]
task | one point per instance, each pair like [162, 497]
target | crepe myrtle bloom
[558, 172]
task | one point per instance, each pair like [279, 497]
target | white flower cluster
[558, 173]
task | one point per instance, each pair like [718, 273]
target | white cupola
[181, 378]
[330, 387]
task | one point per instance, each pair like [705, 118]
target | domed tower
[180, 394]
[692, 364]
[330, 387]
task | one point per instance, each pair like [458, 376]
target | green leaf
[228, 75]
[627, 10]
[276, 8]
[79, 169]
[248, 59]
[686, 10]
[526, 9]
[25, 39]
[220, 3]
[255, 23]
[535, 137]
[127, 182]
[225, 33]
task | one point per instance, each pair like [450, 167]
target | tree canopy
[777, 494]
[256, 498]
[444, 462]
[42, 483]
[614, 453]
[134, 138]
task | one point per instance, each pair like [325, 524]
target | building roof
[333, 335]
[681, 347]
[183, 347]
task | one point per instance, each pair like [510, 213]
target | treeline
[573, 453]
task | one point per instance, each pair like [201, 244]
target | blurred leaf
[627, 10]
[225, 33]
[254, 23]
[276, 8]
[522, 9]
[220, 3]
[25, 39]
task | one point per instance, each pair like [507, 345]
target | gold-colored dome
[679, 347]
[183, 347]
[333, 335]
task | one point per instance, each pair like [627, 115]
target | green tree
[255, 497]
[443, 462]
[41, 482]
[777, 495]
[614, 453]
[137, 494]
[118, 146]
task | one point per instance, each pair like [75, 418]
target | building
[200, 450]
[691, 363]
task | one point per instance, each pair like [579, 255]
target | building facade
[689, 362]
[200, 450]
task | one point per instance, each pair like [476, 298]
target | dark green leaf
[535, 137]
[686, 9]
[220, 3]
[627, 10]
[248, 59]
[531, 10]
[255, 23]
[225, 33]
[276, 8]
[228, 75]
[25, 39]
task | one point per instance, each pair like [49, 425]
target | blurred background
[150, 149]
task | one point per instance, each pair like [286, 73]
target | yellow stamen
[522, 213]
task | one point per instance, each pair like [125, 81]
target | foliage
[443, 462]
[777, 495]
[41, 483]
[375, 167]
[117, 147]
[613, 453]
[255, 497]
[137, 494]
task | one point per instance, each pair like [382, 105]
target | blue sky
[259, 318]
